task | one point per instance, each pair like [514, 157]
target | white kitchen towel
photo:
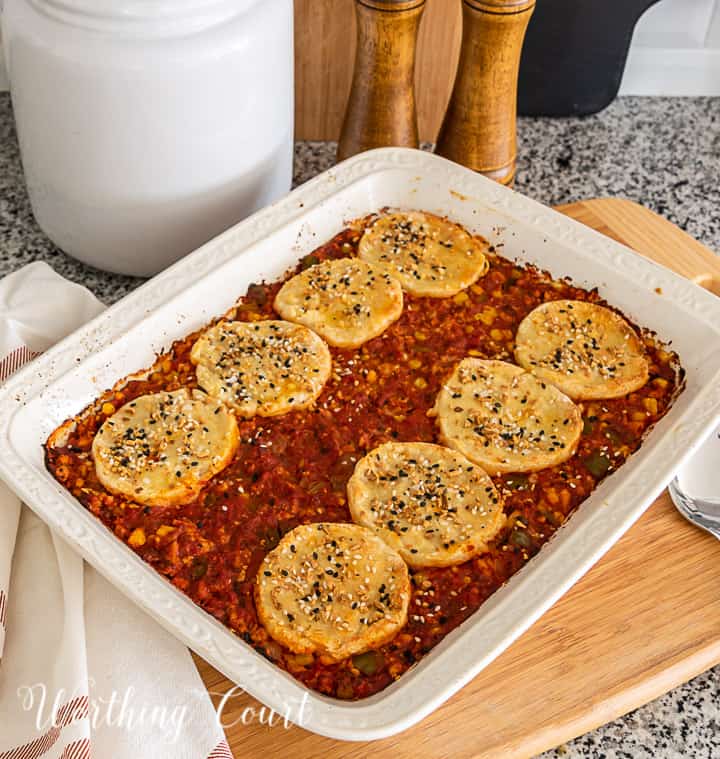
[83, 671]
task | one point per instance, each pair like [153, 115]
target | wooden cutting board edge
[676, 662]
[615, 704]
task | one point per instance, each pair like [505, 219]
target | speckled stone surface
[661, 152]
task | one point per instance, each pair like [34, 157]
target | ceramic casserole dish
[206, 283]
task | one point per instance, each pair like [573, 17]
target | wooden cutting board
[645, 619]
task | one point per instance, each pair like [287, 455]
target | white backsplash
[675, 51]
[4, 84]
[675, 24]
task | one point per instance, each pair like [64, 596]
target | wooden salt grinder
[479, 129]
[381, 106]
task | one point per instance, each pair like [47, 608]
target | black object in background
[574, 55]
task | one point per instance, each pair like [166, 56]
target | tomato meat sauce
[293, 469]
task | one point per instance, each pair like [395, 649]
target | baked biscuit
[430, 256]
[505, 419]
[346, 301]
[161, 449]
[586, 350]
[265, 368]
[431, 504]
[332, 588]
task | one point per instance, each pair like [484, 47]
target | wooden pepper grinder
[381, 106]
[479, 129]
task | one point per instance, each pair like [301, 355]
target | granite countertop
[661, 152]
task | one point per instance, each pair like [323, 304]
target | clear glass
[696, 489]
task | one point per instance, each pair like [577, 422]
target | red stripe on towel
[73, 710]
[221, 751]
[14, 360]
[77, 750]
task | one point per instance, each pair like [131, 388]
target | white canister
[148, 126]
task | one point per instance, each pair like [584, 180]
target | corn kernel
[372, 376]
[108, 408]
[487, 315]
[496, 334]
[302, 660]
[414, 363]
[164, 530]
[461, 298]
[137, 538]
[474, 352]
[651, 405]
[420, 336]
[420, 383]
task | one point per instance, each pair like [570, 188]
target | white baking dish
[127, 336]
